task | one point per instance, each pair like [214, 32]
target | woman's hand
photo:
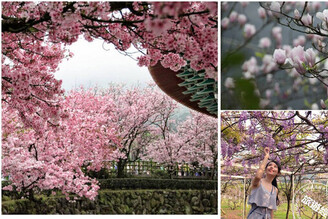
[267, 152]
[260, 171]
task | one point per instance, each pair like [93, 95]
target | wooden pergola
[319, 169]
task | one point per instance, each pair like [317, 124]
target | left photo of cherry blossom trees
[109, 108]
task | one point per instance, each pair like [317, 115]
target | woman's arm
[260, 171]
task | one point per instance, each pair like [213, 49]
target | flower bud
[279, 56]
[261, 12]
[225, 23]
[297, 14]
[233, 16]
[323, 105]
[265, 42]
[307, 19]
[242, 19]
[249, 30]
[229, 83]
[275, 6]
[310, 57]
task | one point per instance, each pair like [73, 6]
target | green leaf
[245, 94]
[326, 103]
[304, 66]
[32, 29]
[232, 60]
[259, 54]
[306, 103]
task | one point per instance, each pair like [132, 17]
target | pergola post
[244, 201]
[293, 195]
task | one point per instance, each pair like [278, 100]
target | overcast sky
[92, 65]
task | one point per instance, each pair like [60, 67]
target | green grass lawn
[238, 212]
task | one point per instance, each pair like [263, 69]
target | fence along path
[148, 168]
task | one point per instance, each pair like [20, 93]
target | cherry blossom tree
[83, 138]
[96, 126]
[49, 138]
[203, 145]
[193, 140]
[35, 36]
[134, 112]
[281, 55]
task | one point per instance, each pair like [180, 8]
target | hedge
[138, 183]
[121, 202]
[145, 183]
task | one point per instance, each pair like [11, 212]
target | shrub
[144, 183]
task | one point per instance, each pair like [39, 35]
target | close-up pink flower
[279, 56]
[265, 42]
[249, 30]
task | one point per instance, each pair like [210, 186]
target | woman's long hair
[274, 181]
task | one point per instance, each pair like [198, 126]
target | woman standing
[264, 190]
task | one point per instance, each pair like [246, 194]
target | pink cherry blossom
[250, 68]
[298, 57]
[322, 104]
[195, 140]
[275, 9]
[187, 29]
[261, 12]
[225, 22]
[279, 56]
[299, 41]
[242, 19]
[269, 64]
[315, 5]
[277, 35]
[244, 4]
[310, 57]
[297, 14]
[275, 6]
[307, 19]
[314, 106]
[323, 15]
[265, 42]
[233, 16]
[109, 126]
[249, 30]
[173, 61]
[229, 83]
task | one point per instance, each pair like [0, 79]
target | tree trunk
[170, 170]
[213, 168]
[289, 195]
[288, 206]
[245, 204]
[120, 168]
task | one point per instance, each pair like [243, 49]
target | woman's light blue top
[263, 198]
